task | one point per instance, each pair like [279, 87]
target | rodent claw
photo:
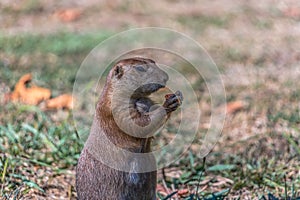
[173, 101]
[179, 95]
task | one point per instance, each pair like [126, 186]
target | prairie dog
[125, 119]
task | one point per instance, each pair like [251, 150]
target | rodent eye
[140, 68]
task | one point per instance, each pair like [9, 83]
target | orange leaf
[25, 78]
[60, 102]
[32, 95]
[183, 192]
[235, 106]
[293, 12]
[68, 15]
[20, 85]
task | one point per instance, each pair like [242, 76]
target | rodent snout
[165, 77]
[148, 88]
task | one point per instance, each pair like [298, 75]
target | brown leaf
[32, 95]
[293, 12]
[68, 15]
[20, 87]
[235, 106]
[60, 102]
[24, 79]
[183, 192]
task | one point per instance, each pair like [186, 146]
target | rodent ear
[118, 71]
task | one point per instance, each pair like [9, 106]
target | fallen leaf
[293, 12]
[235, 106]
[183, 192]
[60, 102]
[34, 95]
[31, 95]
[24, 79]
[68, 15]
[20, 87]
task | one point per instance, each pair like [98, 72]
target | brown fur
[94, 179]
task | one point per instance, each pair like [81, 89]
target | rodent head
[137, 77]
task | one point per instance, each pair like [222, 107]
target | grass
[201, 22]
[262, 177]
[59, 44]
[37, 145]
[30, 139]
[54, 59]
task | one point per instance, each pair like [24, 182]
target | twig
[199, 179]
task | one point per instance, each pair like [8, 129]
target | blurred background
[255, 44]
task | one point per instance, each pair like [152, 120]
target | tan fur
[122, 94]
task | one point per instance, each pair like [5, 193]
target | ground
[255, 44]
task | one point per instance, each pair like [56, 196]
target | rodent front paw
[173, 101]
